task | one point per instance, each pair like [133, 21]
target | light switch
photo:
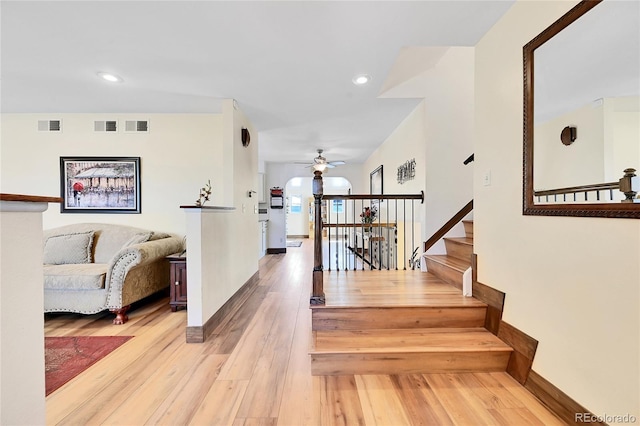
[486, 179]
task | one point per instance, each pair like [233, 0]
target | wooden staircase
[450, 267]
[405, 322]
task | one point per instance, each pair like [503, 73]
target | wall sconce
[568, 135]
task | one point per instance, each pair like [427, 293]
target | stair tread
[461, 240]
[450, 261]
[440, 340]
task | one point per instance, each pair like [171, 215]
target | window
[296, 204]
[337, 206]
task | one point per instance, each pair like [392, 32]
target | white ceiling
[288, 64]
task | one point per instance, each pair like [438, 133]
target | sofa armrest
[134, 256]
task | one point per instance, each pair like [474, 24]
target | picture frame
[376, 181]
[100, 185]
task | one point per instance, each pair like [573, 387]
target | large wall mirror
[582, 113]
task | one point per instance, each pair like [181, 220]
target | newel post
[317, 295]
[630, 185]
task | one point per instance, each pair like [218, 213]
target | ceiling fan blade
[337, 163]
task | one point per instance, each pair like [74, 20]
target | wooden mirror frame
[619, 210]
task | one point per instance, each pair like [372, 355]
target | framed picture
[100, 184]
[375, 182]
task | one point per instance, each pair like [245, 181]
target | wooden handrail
[447, 226]
[419, 196]
[576, 189]
[359, 225]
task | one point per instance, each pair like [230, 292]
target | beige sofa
[92, 267]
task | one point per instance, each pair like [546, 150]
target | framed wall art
[375, 182]
[100, 184]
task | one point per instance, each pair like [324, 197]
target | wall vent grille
[49, 125]
[105, 126]
[136, 126]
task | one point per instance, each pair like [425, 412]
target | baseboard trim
[524, 350]
[198, 334]
[559, 402]
[489, 295]
[276, 250]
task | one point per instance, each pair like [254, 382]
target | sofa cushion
[85, 276]
[70, 248]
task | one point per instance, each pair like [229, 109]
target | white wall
[22, 384]
[622, 136]
[557, 165]
[223, 245]
[178, 155]
[571, 283]
[439, 135]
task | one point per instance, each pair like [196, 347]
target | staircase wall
[552, 268]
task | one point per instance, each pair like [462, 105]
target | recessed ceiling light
[110, 77]
[361, 79]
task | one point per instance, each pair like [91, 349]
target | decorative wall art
[375, 182]
[100, 184]
[407, 171]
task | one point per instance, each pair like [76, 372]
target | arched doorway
[299, 203]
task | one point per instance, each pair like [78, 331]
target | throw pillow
[68, 248]
[141, 237]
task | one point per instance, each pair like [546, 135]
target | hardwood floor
[256, 370]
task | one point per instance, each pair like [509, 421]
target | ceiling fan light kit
[320, 163]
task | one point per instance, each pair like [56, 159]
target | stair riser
[459, 250]
[408, 363]
[397, 317]
[468, 229]
[452, 276]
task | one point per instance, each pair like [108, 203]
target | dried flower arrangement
[205, 192]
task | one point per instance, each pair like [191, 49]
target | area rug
[294, 243]
[66, 357]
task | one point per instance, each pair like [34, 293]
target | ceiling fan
[320, 160]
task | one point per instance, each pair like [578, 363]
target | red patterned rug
[66, 357]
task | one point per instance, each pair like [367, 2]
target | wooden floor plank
[173, 411]
[420, 402]
[455, 402]
[300, 403]
[267, 381]
[380, 402]
[221, 403]
[340, 402]
[244, 357]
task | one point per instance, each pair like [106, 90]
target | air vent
[49, 125]
[105, 126]
[136, 126]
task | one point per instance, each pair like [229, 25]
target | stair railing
[354, 242]
[627, 185]
[357, 240]
[448, 226]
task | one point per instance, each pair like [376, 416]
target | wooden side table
[178, 274]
